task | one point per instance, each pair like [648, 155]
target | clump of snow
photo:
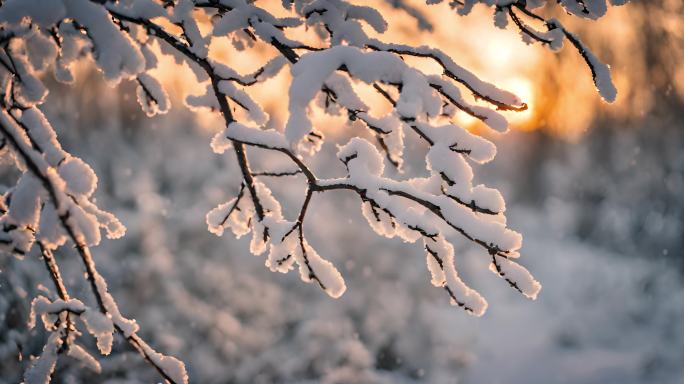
[312, 266]
[101, 327]
[79, 177]
[152, 98]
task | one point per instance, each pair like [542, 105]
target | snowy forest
[341, 191]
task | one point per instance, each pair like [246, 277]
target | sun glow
[550, 83]
[525, 91]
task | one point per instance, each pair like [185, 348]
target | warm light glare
[524, 89]
[550, 83]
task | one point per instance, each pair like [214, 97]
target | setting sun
[523, 88]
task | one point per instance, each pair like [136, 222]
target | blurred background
[596, 190]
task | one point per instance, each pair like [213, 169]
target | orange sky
[552, 84]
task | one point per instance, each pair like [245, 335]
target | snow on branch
[52, 202]
[555, 33]
[62, 190]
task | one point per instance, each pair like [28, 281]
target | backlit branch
[556, 33]
[67, 207]
[52, 204]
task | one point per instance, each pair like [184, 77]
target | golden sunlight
[524, 88]
[550, 83]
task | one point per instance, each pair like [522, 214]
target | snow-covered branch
[555, 32]
[62, 195]
[52, 202]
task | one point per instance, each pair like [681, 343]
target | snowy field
[601, 318]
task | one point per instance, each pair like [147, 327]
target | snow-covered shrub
[341, 56]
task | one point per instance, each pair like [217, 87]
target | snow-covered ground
[601, 318]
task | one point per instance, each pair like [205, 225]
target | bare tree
[51, 204]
